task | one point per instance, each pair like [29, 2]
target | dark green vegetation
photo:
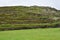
[33, 34]
[23, 17]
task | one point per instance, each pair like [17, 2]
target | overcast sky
[52, 3]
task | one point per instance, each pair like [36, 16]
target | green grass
[31, 34]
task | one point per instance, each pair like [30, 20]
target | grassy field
[31, 34]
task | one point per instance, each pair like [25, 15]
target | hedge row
[27, 26]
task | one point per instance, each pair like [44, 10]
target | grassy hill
[23, 17]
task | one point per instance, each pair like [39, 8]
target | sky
[50, 3]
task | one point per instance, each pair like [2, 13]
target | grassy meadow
[31, 34]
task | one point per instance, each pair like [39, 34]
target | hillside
[16, 17]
